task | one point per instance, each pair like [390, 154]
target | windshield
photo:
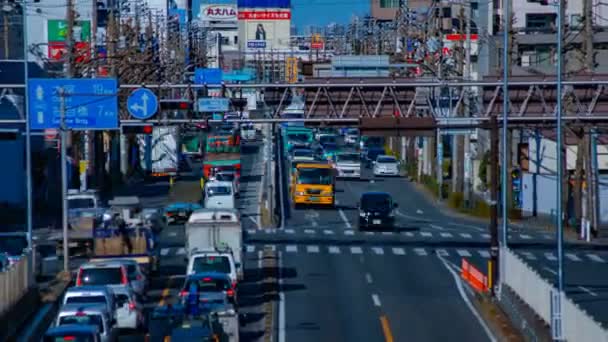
[85, 319]
[387, 160]
[302, 153]
[373, 153]
[204, 264]
[297, 136]
[70, 337]
[218, 191]
[226, 177]
[132, 271]
[376, 202]
[86, 300]
[122, 300]
[348, 158]
[327, 139]
[315, 176]
[101, 276]
[352, 132]
[292, 115]
[208, 284]
[81, 203]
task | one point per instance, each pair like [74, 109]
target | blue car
[72, 332]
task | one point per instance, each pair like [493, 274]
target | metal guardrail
[577, 325]
[14, 283]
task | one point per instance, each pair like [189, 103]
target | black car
[369, 155]
[376, 210]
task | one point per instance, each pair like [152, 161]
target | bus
[313, 184]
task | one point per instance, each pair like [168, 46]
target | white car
[89, 314]
[386, 166]
[351, 137]
[211, 260]
[129, 312]
[219, 195]
[137, 278]
[228, 176]
[348, 165]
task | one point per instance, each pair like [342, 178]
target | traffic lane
[327, 299]
[252, 296]
[421, 296]
[252, 167]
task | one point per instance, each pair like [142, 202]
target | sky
[324, 12]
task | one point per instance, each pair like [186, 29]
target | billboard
[265, 29]
[58, 29]
[218, 13]
[264, 3]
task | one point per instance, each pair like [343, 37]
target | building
[219, 19]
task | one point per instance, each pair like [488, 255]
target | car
[351, 137]
[348, 164]
[324, 131]
[72, 332]
[328, 139]
[89, 314]
[209, 287]
[91, 294]
[179, 212]
[369, 155]
[386, 166]
[228, 176]
[129, 311]
[111, 273]
[368, 142]
[302, 154]
[219, 195]
[137, 278]
[329, 151]
[377, 210]
[212, 260]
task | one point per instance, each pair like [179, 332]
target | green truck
[222, 152]
[192, 144]
[296, 135]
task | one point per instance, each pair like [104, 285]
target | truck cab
[220, 195]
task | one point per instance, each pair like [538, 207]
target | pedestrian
[124, 233]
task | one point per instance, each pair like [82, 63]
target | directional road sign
[142, 104]
[213, 104]
[211, 76]
[89, 103]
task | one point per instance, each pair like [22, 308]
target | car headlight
[362, 215]
[326, 193]
[299, 193]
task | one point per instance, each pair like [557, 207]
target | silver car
[91, 294]
[386, 166]
[129, 312]
[137, 278]
[89, 314]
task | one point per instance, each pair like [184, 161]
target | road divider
[473, 276]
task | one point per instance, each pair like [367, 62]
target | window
[218, 191]
[389, 3]
[204, 264]
[386, 160]
[314, 176]
[101, 276]
[81, 203]
[540, 21]
[376, 202]
[348, 158]
[86, 300]
[90, 319]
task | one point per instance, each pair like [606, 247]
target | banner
[218, 13]
[58, 30]
[264, 15]
[265, 29]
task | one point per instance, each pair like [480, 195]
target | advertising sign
[261, 29]
[213, 104]
[264, 3]
[316, 42]
[256, 44]
[291, 70]
[57, 51]
[265, 15]
[218, 13]
[58, 29]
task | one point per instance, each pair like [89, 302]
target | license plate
[314, 199]
[376, 221]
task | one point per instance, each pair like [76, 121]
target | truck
[216, 229]
[192, 144]
[294, 136]
[109, 244]
[222, 152]
[160, 152]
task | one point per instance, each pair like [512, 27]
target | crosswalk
[419, 234]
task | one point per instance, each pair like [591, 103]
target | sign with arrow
[142, 104]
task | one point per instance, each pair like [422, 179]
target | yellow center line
[386, 329]
[165, 293]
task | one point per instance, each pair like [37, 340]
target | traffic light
[140, 129]
[176, 105]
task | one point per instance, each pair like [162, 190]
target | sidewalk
[538, 225]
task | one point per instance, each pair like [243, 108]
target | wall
[548, 154]
[546, 194]
[521, 7]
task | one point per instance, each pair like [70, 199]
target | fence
[577, 325]
[14, 283]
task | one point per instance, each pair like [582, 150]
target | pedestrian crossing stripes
[356, 250]
[398, 251]
[463, 253]
[550, 256]
[529, 255]
[572, 257]
[378, 250]
[595, 258]
[484, 254]
[446, 235]
[312, 249]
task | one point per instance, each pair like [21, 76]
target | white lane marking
[572, 257]
[467, 301]
[368, 278]
[343, 216]
[334, 250]
[282, 320]
[312, 249]
[446, 235]
[409, 234]
[550, 256]
[309, 231]
[369, 233]
[419, 212]
[255, 221]
[164, 251]
[485, 236]
[484, 254]
[291, 248]
[181, 251]
[434, 226]
[588, 291]
[442, 252]
[528, 255]
[426, 234]
[314, 223]
[252, 231]
[290, 231]
[398, 251]
[378, 250]
[172, 234]
[376, 300]
[349, 232]
[525, 236]
[466, 226]
[548, 237]
[328, 232]
[463, 253]
[260, 259]
[387, 233]
[356, 250]
[550, 270]
[251, 249]
[466, 235]
[595, 258]
[269, 231]
[420, 251]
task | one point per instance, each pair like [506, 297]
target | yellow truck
[313, 184]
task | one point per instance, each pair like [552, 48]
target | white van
[219, 195]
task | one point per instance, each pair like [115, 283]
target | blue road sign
[89, 103]
[211, 76]
[142, 104]
[213, 104]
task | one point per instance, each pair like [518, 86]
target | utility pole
[468, 164]
[69, 40]
[458, 139]
[6, 35]
[494, 183]
[64, 184]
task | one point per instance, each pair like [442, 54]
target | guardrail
[14, 283]
[577, 325]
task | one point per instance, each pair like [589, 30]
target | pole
[505, 113]
[28, 136]
[5, 20]
[64, 185]
[468, 172]
[69, 39]
[494, 199]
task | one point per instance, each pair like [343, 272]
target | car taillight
[79, 278]
[234, 284]
[230, 293]
[131, 306]
[124, 279]
[183, 293]
[69, 338]
[139, 277]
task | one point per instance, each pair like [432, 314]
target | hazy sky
[323, 12]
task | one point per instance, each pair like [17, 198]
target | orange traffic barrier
[473, 276]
